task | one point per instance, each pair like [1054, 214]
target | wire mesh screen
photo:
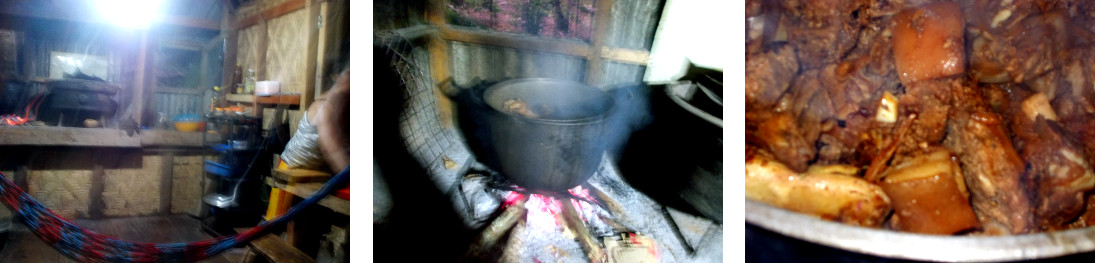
[439, 148]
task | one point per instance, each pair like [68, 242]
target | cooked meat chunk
[811, 105]
[822, 43]
[931, 102]
[821, 11]
[992, 168]
[1006, 86]
[929, 194]
[768, 75]
[1058, 175]
[858, 81]
[1075, 88]
[929, 42]
[780, 135]
[760, 24]
[519, 107]
[1022, 41]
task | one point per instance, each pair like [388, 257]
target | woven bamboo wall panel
[186, 185]
[133, 191]
[294, 119]
[66, 192]
[287, 44]
[247, 49]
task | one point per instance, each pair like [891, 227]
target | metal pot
[560, 148]
[899, 245]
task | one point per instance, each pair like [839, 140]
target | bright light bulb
[129, 13]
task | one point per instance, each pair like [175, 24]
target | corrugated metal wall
[488, 63]
[173, 104]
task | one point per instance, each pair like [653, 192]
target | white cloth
[303, 151]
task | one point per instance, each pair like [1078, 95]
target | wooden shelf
[300, 175]
[98, 137]
[286, 99]
[174, 138]
[67, 136]
[304, 190]
[242, 98]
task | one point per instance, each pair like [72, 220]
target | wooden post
[337, 31]
[440, 62]
[594, 63]
[439, 49]
[95, 192]
[167, 177]
[139, 81]
[260, 65]
[231, 35]
[308, 94]
[21, 174]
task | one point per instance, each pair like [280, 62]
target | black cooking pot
[558, 148]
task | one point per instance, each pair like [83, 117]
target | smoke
[632, 112]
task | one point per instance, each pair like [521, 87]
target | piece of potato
[928, 42]
[929, 195]
[831, 192]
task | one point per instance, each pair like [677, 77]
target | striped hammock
[88, 246]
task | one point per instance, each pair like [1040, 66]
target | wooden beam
[630, 56]
[192, 22]
[270, 13]
[542, 44]
[594, 63]
[187, 91]
[65, 136]
[566, 47]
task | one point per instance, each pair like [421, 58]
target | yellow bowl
[188, 126]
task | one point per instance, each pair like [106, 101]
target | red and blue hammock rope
[89, 246]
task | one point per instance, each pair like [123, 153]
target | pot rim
[587, 120]
[901, 245]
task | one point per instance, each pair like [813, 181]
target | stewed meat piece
[992, 168]
[768, 75]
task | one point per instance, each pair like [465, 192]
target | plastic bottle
[249, 84]
[237, 80]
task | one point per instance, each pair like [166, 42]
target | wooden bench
[287, 184]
